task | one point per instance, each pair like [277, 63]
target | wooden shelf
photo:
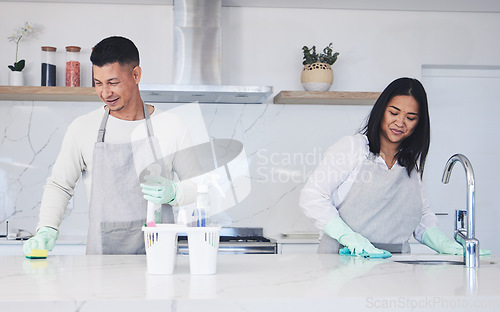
[87, 94]
[68, 94]
[326, 97]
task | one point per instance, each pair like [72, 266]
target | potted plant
[317, 74]
[16, 74]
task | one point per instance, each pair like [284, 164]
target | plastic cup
[161, 248]
[203, 245]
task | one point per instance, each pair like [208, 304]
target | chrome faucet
[464, 231]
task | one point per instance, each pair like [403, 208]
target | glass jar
[72, 66]
[48, 66]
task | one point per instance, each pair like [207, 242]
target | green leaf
[19, 66]
[310, 55]
[12, 68]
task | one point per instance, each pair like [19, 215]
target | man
[112, 164]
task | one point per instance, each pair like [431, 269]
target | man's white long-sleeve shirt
[77, 149]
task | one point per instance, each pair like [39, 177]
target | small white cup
[161, 248]
[203, 244]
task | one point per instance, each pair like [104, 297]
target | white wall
[465, 106]
[61, 25]
[260, 46]
[263, 45]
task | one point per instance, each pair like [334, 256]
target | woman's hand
[356, 243]
[438, 241]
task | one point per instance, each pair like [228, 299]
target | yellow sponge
[37, 254]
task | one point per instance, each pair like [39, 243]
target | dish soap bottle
[201, 211]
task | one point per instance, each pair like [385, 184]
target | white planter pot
[317, 77]
[16, 78]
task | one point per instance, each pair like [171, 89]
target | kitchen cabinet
[308, 244]
[59, 250]
[312, 248]
[296, 243]
[420, 249]
[297, 248]
[64, 246]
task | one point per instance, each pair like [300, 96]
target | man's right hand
[159, 190]
[45, 238]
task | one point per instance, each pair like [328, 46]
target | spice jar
[72, 66]
[48, 66]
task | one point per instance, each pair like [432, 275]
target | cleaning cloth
[385, 254]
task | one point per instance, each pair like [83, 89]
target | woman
[367, 194]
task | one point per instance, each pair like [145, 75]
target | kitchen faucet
[464, 231]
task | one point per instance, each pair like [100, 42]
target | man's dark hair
[115, 49]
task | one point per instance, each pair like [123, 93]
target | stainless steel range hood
[205, 94]
[197, 60]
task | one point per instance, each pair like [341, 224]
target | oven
[238, 240]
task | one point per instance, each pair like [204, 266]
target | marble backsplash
[283, 144]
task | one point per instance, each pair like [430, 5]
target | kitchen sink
[431, 262]
[421, 259]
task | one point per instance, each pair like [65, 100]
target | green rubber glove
[45, 238]
[159, 190]
[438, 241]
[356, 243]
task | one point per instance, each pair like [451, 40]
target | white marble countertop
[248, 283]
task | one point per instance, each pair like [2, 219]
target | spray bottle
[201, 211]
[154, 210]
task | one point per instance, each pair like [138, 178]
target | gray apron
[385, 206]
[117, 208]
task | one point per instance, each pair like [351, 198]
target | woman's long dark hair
[413, 150]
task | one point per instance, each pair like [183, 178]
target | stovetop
[238, 234]
[238, 241]
[244, 239]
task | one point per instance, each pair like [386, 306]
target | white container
[203, 245]
[16, 78]
[161, 248]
